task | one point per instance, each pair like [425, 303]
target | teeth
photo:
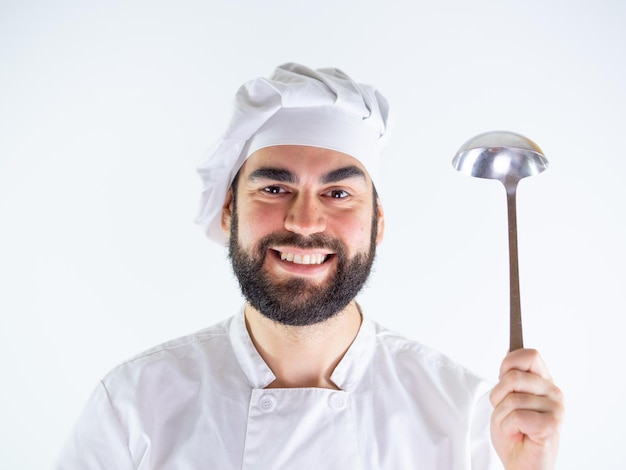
[303, 259]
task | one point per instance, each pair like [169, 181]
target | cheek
[355, 231]
[254, 224]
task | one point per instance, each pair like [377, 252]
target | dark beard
[299, 302]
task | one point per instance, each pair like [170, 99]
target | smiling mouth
[303, 259]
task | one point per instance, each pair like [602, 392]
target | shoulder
[179, 345]
[421, 366]
[175, 356]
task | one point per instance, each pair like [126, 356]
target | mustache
[316, 240]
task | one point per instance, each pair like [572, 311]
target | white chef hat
[295, 106]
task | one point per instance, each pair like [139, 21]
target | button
[267, 403]
[337, 401]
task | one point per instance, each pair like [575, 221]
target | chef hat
[295, 106]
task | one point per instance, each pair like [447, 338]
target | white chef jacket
[200, 402]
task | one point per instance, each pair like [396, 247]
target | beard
[298, 301]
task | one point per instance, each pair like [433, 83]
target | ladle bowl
[507, 157]
[500, 155]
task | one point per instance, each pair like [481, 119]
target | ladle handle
[516, 340]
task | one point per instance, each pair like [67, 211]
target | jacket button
[337, 401]
[267, 403]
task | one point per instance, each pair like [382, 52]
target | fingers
[523, 372]
[527, 360]
[527, 404]
[519, 382]
[535, 410]
[534, 418]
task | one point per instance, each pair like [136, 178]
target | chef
[301, 378]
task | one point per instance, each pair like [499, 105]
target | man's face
[304, 228]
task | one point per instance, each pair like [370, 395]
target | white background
[106, 107]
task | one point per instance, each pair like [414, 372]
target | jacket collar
[346, 375]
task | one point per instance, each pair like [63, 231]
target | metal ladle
[507, 157]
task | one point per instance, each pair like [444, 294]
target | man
[300, 378]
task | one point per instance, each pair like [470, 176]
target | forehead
[300, 159]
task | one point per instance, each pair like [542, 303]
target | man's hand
[528, 411]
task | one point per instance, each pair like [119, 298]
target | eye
[337, 193]
[273, 189]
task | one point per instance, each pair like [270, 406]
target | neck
[303, 356]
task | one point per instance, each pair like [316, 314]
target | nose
[305, 215]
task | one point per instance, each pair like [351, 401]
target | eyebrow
[341, 174]
[286, 176]
[271, 173]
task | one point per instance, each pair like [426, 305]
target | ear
[227, 211]
[381, 222]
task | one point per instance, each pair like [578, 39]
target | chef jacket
[201, 402]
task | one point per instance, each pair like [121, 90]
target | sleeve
[484, 456]
[98, 441]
